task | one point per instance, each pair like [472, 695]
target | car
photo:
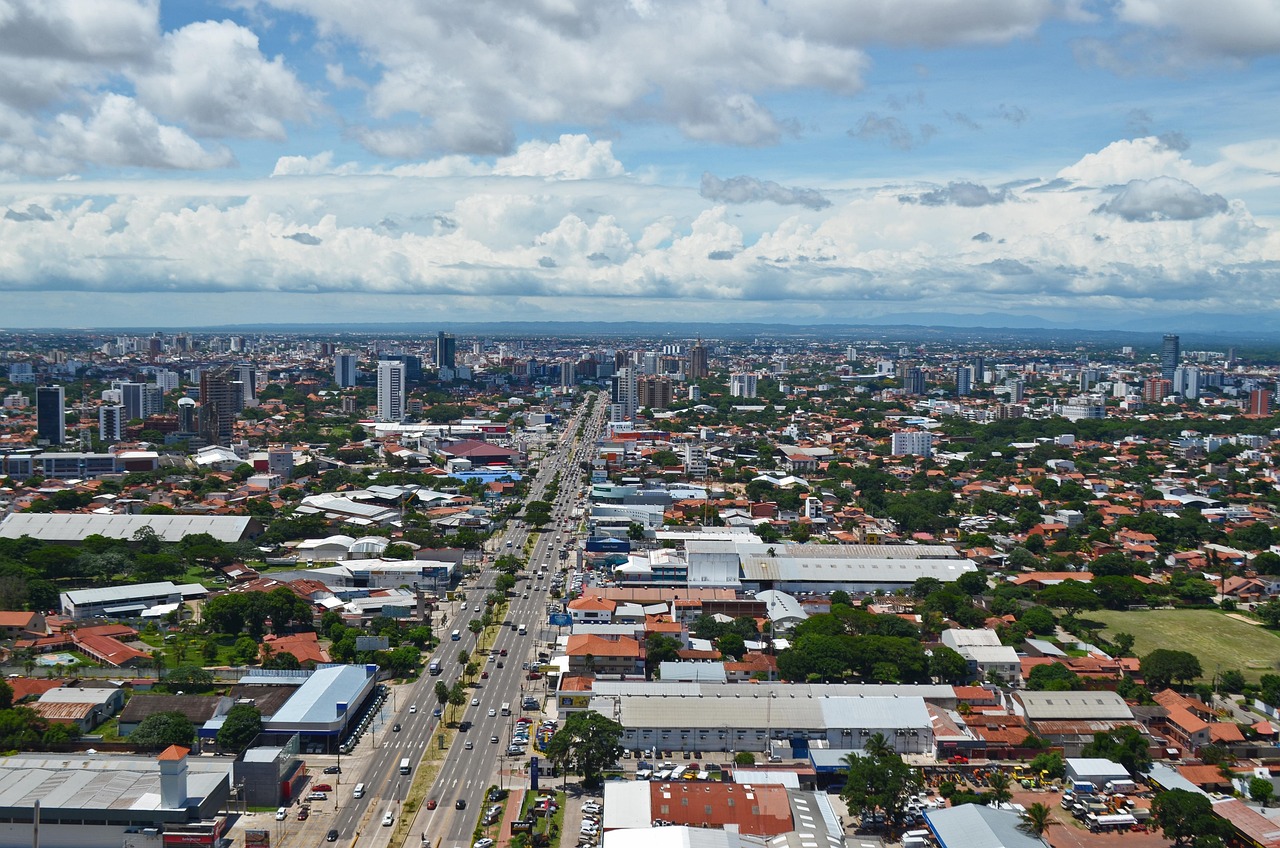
[492, 712]
[503, 652]
[476, 609]
[514, 750]
[499, 663]
[470, 745]
[958, 760]
[431, 804]
[304, 813]
[534, 675]
[333, 770]
[484, 675]
[317, 796]
[388, 818]
[322, 787]
[332, 835]
[475, 702]
[395, 728]
[437, 712]
[591, 807]
[524, 720]
[483, 842]
[413, 709]
[463, 727]
[493, 740]
[525, 596]
[460, 804]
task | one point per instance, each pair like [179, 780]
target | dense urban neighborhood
[959, 590]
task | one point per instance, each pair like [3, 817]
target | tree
[1260, 791]
[189, 678]
[1164, 666]
[840, 596]
[635, 531]
[1122, 643]
[1000, 783]
[882, 783]
[1037, 818]
[1186, 816]
[1039, 620]
[972, 582]
[1053, 677]
[1070, 595]
[946, 665]
[588, 743]
[442, 692]
[282, 660]
[160, 730]
[1124, 745]
[241, 726]
[1050, 762]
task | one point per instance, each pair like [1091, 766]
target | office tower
[221, 400]
[911, 443]
[1260, 402]
[391, 390]
[910, 379]
[979, 370]
[1170, 354]
[412, 368]
[111, 423]
[699, 367]
[695, 393]
[446, 351]
[964, 380]
[1186, 381]
[649, 363]
[51, 415]
[624, 391]
[850, 353]
[344, 370]
[167, 381]
[1088, 378]
[140, 400]
[654, 392]
[742, 385]
[1016, 389]
[188, 415]
[568, 373]
[247, 376]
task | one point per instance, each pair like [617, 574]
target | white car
[482, 843]
[475, 702]
[388, 819]
[413, 709]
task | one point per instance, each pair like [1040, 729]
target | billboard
[561, 619]
[257, 839]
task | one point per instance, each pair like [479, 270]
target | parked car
[322, 787]
[317, 796]
[333, 770]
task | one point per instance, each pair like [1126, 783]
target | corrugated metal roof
[976, 826]
[867, 570]
[1074, 706]
[82, 782]
[753, 710]
[170, 528]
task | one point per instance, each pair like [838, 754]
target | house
[85, 707]
[984, 653]
[591, 609]
[197, 708]
[621, 655]
[21, 625]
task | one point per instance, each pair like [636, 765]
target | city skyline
[1071, 164]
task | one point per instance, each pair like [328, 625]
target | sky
[1091, 163]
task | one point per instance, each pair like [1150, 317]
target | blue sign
[533, 774]
[561, 619]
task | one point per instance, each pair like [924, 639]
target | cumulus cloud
[305, 238]
[1163, 199]
[1233, 28]
[1128, 159]
[720, 255]
[751, 190]
[572, 157]
[212, 77]
[121, 132]
[958, 194]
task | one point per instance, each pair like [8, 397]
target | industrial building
[73, 528]
[126, 601]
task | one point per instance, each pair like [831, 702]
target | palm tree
[999, 783]
[1037, 819]
[877, 747]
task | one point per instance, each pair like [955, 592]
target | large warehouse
[711, 717]
[73, 528]
[853, 568]
[100, 801]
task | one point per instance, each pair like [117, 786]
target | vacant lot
[1221, 643]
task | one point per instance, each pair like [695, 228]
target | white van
[282, 814]
[359, 791]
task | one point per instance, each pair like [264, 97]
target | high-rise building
[653, 392]
[695, 460]
[140, 400]
[624, 392]
[344, 370]
[1016, 389]
[1170, 355]
[910, 379]
[1186, 381]
[221, 400]
[446, 351]
[979, 370]
[1260, 402]
[247, 376]
[1155, 389]
[391, 390]
[188, 415]
[111, 419]
[699, 367]
[51, 415]
[964, 380]
[742, 385]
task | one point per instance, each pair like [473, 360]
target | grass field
[1219, 642]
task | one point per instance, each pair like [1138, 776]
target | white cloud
[573, 157]
[211, 77]
[121, 132]
[1129, 159]
[1236, 28]
[474, 70]
[1163, 199]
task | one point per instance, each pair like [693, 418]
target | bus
[434, 668]
[457, 636]
[506, 708]
[405, 768]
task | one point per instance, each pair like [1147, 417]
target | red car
[431, 805]
[958, 760]
[503, 652]
[535, 675]
[322, 787]
[484, 675]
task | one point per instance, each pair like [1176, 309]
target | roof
[977, 826]
[678, 837]
[123, 594]
[197, 708]
[69, 782]
[58, 527]
[316, 700]
[173, 753]
[790, 565]
[1258, 828]
[1041, 706]
[752, 708]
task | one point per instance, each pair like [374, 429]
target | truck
[405, 766]
[433, 668]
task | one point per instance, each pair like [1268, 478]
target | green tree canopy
[879, 780]
[241, 726]
[1165, 666]
[587, 744]
[160, 730]
[1186, 816]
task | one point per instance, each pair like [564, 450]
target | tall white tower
[390, 390]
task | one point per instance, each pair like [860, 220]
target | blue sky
[1104, 163]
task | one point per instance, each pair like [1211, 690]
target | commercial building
[391, 391]
[51, 415]
[111, 422]
[220, 402]
[127, 601]
[100, 801]
[911, 443]
[728, 717]
[320, 706]
[984, 654]
[344, 370]
[1069, 719]
[699, 368]
[1170, 354]
[446, 351]
[853, 568]
[978, 826]
[168, 528]
[654, 392]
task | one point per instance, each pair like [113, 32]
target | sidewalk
[515, 798]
